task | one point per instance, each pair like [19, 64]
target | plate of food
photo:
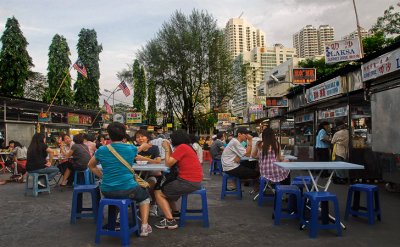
[141, 162]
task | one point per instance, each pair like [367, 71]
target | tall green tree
[139, 87]
[151, 104]
[389, 23]
[321, 67]
[35, 86]
[87, 91]
[57, 70]
[177, 60]
[15, 62]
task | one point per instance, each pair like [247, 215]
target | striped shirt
[268, 170]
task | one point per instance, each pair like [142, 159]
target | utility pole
[358, 30]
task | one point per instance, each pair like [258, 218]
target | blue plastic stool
[300, 184]
[224, 191]
[203, 210]
[35, 187]
[216, 167]
[317, 197]
[77, 208]
[126, 229]
[372, 209]
[261, 195]
[293, 209]
[85, 177]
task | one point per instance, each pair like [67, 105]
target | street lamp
[112, 93]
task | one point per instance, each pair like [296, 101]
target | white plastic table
[150, 167]
[309, 166]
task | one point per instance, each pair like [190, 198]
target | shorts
[179, 187]
[137, 193]
[243, 172]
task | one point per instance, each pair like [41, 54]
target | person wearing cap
[232, 154]
[322, 142]
[341, 140]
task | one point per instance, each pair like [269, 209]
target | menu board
[73, 118]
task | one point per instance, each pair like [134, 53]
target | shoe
[144, 231]
[167, 224]
[153, 210]
[176, 215]
[41, 185]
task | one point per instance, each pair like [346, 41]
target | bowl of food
[141, 162]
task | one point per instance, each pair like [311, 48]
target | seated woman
[81, 155]
[19, 155]
[152, 156]
[189, 177]
[117, 180]
[196, 146]
[207, 143]
[36, 159]
[267, 152]
[101, 141]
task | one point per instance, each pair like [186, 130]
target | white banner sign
[338, 112]
[343, 50]
[324, 90]
[256, 109]
[381, 65]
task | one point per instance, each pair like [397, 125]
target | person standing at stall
[341, 149]
[322, 142]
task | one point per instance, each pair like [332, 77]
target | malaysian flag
[125, 88]
[80, 67]
[108, 107]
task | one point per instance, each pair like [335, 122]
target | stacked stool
[293, 209]
[206, 155]
[77, 203]
[203, 210]
[216, 167]
[373, 208]
[126, 229]
[35, 188]
[225, 191]
[261, 195]
[317, 197]
[85, 177]
[298, 181]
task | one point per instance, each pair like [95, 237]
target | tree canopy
[139, 87]
[58, 69]
[151, 104]
[15, 62]
[87, 91]
[184, 61]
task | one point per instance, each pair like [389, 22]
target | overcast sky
[123, 26]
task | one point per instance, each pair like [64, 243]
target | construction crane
[241, 15]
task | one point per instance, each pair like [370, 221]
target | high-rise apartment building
[325, 34]
[241, 36]
[258, 61]
[364, 34]
[310, 41]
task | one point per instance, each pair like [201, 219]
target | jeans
[340, 173]
[136, 193]
[51, 172]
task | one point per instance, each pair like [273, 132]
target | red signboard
[303, 76]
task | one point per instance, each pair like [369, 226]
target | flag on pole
[125, 88]
[80, 67]
[108, 107]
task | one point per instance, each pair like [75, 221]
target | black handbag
[167, 177]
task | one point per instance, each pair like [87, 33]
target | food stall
[304, 136]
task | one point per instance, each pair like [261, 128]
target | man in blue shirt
[322, 142]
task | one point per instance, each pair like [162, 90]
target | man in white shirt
[157, 141]
[232, 154]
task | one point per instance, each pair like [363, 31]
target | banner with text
[381, 65]
[303, 76]
[260, 100]
[255, 109]
[277, 102]
[134, 117]
[324, 90]
[338, 112]
[224, 116]
[341, 51]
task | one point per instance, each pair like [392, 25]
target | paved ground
[44, 221]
